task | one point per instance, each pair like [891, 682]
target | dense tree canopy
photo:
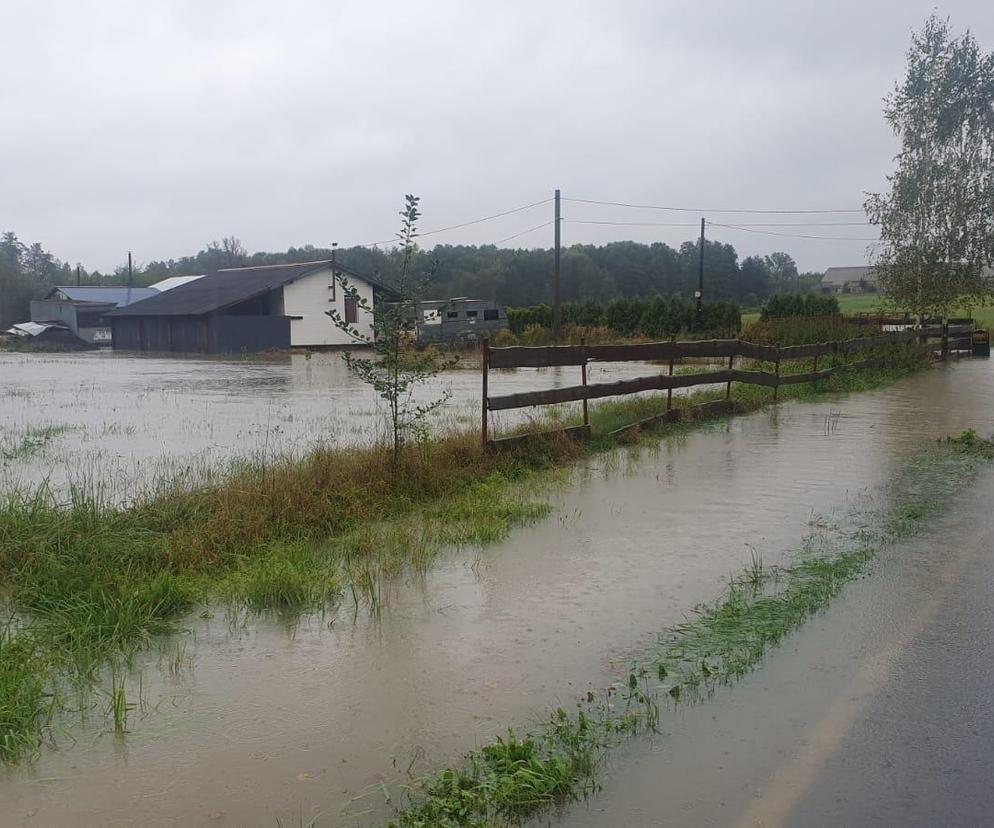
[523, 277]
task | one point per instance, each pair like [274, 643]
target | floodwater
[260, 722]
[112, 424]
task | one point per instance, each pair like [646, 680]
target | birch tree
[937, 221]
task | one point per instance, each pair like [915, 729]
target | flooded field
[239, 724]
[113, 424]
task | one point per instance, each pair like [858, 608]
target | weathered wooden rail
[669, 353]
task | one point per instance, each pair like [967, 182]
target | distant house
[83, 309]
[246, 310]
[862, 279]
[458, 320]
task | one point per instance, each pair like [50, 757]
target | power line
[794, 235]
[524, 232]
[751, 224]
[701, 209]
[633, 223]
[466, 223]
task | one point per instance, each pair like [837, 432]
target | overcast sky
[157, 126]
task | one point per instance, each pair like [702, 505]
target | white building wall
[309, 298]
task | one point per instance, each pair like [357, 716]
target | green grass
[94, 584]
[873, 302]
[511, 779]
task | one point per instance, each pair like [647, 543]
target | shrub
[504, 338]
[799, 304]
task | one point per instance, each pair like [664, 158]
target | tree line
[514, 277]
[523, 277]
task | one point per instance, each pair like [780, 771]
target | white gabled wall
[309, 297]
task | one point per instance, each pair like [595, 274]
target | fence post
[945, 338]
[814, 369]
[776, 388]
[583, 379]
[669, 391]
[485, 368]
[728, 386]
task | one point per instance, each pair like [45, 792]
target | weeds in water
[32, 442]
[970, 442]
[118, 706]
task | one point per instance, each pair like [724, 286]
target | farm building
[83, 309]
[458, 320]
[860, 279]
[246, 310]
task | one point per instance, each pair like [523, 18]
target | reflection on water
[266, 723]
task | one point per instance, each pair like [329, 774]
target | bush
[801, 330]
[504, 338]
[655, 317]
[799, 304]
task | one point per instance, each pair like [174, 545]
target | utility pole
[130, 277]
[700, 281]
[77, 276]
[556, 310]
[334, 271]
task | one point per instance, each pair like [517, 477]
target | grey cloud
[158, 126]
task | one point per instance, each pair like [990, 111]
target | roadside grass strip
[557, 761]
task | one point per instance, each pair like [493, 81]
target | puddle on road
[264, 723]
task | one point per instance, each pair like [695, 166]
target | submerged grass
[94, 583]
[508, 780]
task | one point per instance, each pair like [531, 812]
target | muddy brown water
[117, 423]
[261, 722]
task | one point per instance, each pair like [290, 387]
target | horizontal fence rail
[670, 353]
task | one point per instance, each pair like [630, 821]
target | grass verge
[513, 778]
[91, 584]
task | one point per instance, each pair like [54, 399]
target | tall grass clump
[24, 705]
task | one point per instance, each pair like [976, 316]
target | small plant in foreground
[396, 370]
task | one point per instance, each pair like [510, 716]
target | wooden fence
[670, 353]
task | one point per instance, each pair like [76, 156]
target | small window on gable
[490, 314]
[471, 314]
[452, 315]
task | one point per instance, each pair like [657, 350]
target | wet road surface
[879, 712]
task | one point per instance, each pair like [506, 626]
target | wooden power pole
[130, 277]
[700, 281]
[556, 310]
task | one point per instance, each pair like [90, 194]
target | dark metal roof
[113, 295]
[226, 288]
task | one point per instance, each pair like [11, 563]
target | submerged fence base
[680, 415]
[669, 352]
